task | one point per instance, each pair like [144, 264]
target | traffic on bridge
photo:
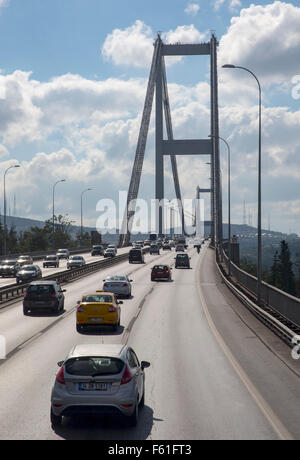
[147, 315]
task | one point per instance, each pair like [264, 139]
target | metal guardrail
[281, 324]
[39, 255]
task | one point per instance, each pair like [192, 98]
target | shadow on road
[106, 428]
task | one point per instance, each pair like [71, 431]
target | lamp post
[259, 246]
[4, 209]
[81, 224]
[229, 204]
[53, 190]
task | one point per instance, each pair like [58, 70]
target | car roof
[97, 349]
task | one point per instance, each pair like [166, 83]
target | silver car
[118, 284]
[75, 262]
[104, 379]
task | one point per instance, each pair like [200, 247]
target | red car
[161, 272]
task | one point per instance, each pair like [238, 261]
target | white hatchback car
[103, 379]
[118, 284]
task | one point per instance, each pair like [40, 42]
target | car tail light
[26, 295]
[111, 309]
[124, 285]
[126, 375]
[60, 378]
[53, 294]
[105, 285]
[80, 309]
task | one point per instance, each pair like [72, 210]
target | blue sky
[73, 75]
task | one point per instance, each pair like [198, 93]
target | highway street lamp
[81, 224]
[53, 190]
[259, 246]
[229, 204]
[4, 210]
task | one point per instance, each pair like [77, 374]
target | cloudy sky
[73, 76]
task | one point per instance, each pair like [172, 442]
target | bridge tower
[170, 147]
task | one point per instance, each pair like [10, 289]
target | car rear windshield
[182, 256]
[96, 365]
[160, 267]
[97, 298]
[51, 258]
[116, 278]
[40, 289]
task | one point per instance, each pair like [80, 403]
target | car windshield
[97, 298]
[9, 262]
[62, 250]
[51, 257]
[76, 258]
[110, 250]
[24, 257]
[40, 289]
[182, 256]
[96, 365]
[29, 268]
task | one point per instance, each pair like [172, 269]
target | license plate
[94, 320]
[93, 386]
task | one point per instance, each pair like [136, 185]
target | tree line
[44, 238]
[284, 273]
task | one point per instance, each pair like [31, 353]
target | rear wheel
[142, 401]
[55, 419]
[133, 419]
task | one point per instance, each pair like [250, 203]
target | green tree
[12, 240]
[275, 271]
[60, 235]
[287, 280]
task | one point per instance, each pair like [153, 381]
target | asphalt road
[216, 373]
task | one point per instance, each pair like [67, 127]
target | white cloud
[192, 9]
[235, 4]
[218, 4]
[130, 47]
[184, 34]
[265, 39]
[133, 46]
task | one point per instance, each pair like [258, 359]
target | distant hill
[22, 224]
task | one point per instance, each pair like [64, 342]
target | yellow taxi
[98, 309]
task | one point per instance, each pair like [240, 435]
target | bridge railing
[280, 301]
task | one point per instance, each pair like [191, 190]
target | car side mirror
[64, 290]
[78, 302]
[130, 281]
[120, 302]
[60, 363]
[145, 364]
